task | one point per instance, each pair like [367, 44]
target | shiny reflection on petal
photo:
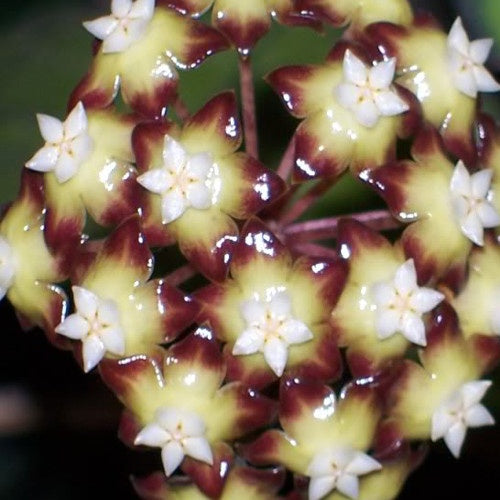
[318, 268]
[105, 175]
[327, 409]
[262, 242]
[231, 128]
[345, 251]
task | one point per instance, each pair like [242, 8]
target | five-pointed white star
[466, 61]
[178, 433]
[367, 91]
[471, 199]
[96, 322]
[270, 329]
[400, 304]
[67, 145]
[338, 468]
[183, 181]
[460, 411]
[7, 266]
[126, 24]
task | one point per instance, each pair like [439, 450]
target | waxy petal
[244, 23]
[93, 351]
[172, 456]
[51, 128]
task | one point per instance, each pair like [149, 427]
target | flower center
[270, 328]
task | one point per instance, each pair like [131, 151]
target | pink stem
[248, 105]
[293, 212]
[181, 109]
[180, 275]
[318, 229]
[286, 165]
[313, 250]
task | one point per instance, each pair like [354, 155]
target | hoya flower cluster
[313, 358]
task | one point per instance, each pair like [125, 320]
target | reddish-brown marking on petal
[127, 201]
[386, 37]
[91, 95]
[355, 237]
[32, 189]
[254, 410]
[487, 138]
[461, 145]
[337, 52]
[312, 160]
[121, 375]
[301, 394]
[210, 298]
[264, 187]
[360, 365]
[210, 479]
[220, 115]
[389, 441]
[443, 327]
[199, 348]
[152, 487]
[325, 365]
[178, 310]
[243, 33]
[212, 260]
[411, 120]
[184, 7]
[487, 350]
[153, 104]
[148, 137]
[264, 450]
[329, 277]
[414, 248]
[64, 237]
[288, 82]
[391, 181]
[128, 246]
[238, 369]
[204, 41]
[128, 428]
[322, 10]
[256, 240]
[271, 480]
[427, 144]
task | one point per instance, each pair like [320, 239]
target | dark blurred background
[57, 426]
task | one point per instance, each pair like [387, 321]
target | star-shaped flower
[122, 314]
[448, 97]
[472, 202]
[126, 24]
[29, 271]
[96, 322]
[352, 112]
[273, 313]
[142, 48]
[183, 181]
[466, 62]
[181, 405]
[401, 303]
[338, 468]
[323, 437]
[380, 298]
[196, 183]
[178, 433]
[68, 144]
[270, 328]
[7, 266]
[455, 210]
[461, 410]
[440, 397]
[368, 92]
